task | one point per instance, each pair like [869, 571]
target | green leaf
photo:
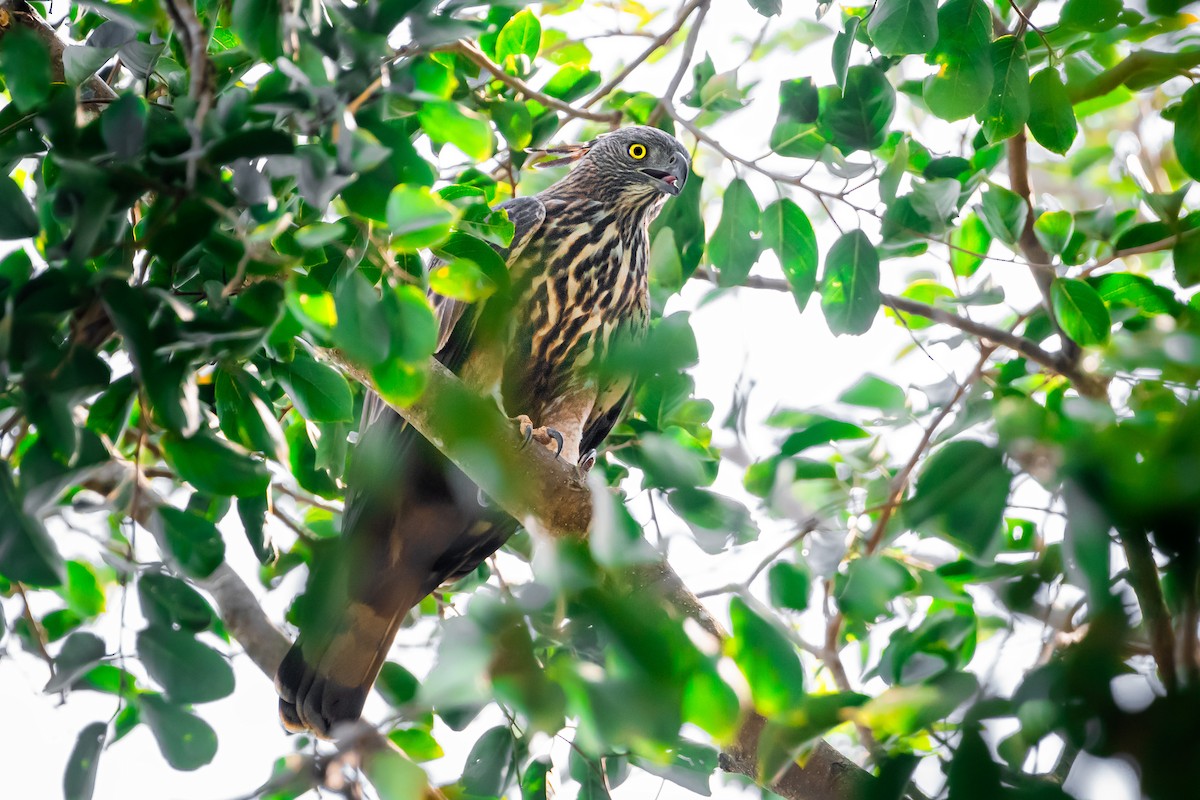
[534, 784]
[412, 323]
[417, 218]
[859, 118]
[1051, 115]
[258, 23]
[520, 36]
[870, 583]
[245, 413]
[186, 741]
[79, 780]
[710, 704]
[871, 391]
[961, 495]
[168, 601]
[843, 43]
[787, 230]
[319, 392]
[447, 123]
[195, 542]
[1187, 132]
[768, 8]
[900, 27]
[962, 54]
[1053, 229]
[214, 466]
[79, 654]
[788, 586]
[1008, 105]
[80, 62]
[25, 64]
[795, 131]
[767, 659]
[969, 244]
[362, 328]
[816, 429]
[417, 743]
[713, 518]
[397, 685]
[189, 671]
[18, 220]
[83, 592]
[1080, 311]
[850, 286]
[123, 126]
[487, 766]
[461, 280]
[27, 553]
[732, 249]
[1186, 257]
[1004, 213]
[903, 710]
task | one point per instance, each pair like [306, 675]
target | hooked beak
[668, 181]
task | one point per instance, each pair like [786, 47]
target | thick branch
[1139, 69]
[1143, 577]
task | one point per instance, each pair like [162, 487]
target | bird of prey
[412, 521]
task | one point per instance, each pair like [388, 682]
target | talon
[525, 425]
[586, 462]
[558, 439]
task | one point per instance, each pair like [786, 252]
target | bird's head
[637, 161]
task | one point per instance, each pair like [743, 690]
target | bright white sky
[791, 359]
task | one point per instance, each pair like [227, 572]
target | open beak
[668, 181]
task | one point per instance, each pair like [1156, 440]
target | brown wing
[412, 521]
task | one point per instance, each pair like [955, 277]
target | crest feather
[567, 153]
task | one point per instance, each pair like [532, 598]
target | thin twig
[685, 61]
[472, 54]
[659, 41]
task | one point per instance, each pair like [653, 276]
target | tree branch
[1086, 382]
[472, 54]
[658, 42]
[93, 91]
[1139, 69]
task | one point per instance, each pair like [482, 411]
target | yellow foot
[547, 437]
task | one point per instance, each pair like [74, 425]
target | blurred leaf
[27, 553]
[850, 286]
[461, 280]
[710, 704]
[872, 391]
[788, 586]
[214, 466]
[245, 413]
[167, 601]
[79, 780]
[319, 391]
[258, 23]
[195, 543]
[787, 231]
[842, 45]
[487, 768]
[79, 653]
[767, 659]
[962, 491]
[417, 743]
[768, 8]
[870, 583]
[795, 133]
[25, 63]
[18, 220]
[189, 671]
[902, 710]
[417, 218]
[1080, 311]
[1186, 257]
[186, 741]
[397, 685]
[446, 122]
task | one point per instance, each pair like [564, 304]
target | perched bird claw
[542, 435]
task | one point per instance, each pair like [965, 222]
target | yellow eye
[637, 151]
